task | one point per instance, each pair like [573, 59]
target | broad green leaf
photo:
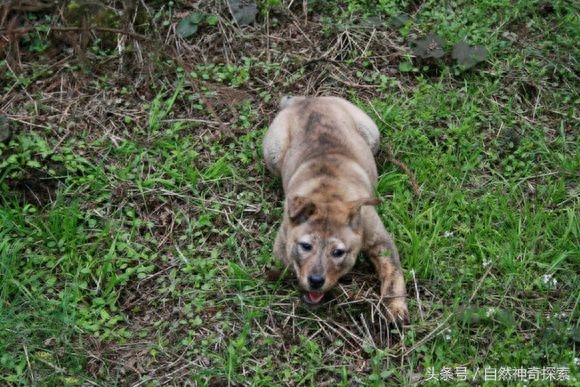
[189, 25]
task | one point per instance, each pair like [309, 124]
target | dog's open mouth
[312, 298]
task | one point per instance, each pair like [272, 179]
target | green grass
[134, 243]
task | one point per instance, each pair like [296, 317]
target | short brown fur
[323, 149]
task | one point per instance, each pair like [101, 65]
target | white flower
[448, 334]
[546, 278]
[487, 263]
[490, 312]
[448, 234]
[549, 280]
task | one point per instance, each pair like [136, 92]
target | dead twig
[392, 159]
[417, 295]
[412, 181]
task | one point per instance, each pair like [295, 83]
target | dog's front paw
[397, 311]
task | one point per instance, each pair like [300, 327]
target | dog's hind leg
[280, 247]
[364, 125]
[274, 145]
[277, 138]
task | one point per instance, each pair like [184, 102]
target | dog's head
[323, 241]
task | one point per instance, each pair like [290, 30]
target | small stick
[391, 158]
[28, 363]
[417, 295]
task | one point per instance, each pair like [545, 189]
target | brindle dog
[323, 149]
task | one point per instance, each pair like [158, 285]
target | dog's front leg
[382, 252]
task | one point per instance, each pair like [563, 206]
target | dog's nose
[316, 281]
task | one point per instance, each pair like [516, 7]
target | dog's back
[310, 135]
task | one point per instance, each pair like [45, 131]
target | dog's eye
[305, 246]
[338, 253]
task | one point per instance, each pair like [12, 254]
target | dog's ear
[354, 207]
[300, 209]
